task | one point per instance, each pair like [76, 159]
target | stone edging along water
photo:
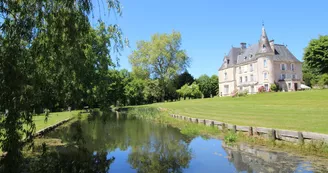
[270, 133]
[52, 127]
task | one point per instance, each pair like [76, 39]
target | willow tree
[42, 40]
[160, 58]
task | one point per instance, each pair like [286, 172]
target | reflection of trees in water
[155, 147]
[250, 159]
[163, 154]
[74, 157]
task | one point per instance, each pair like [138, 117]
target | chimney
[243, 45]
[272, 45]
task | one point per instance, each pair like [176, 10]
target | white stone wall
[228, 80]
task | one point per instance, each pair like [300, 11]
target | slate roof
[237, 55]
[232, 56]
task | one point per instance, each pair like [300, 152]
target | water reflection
[153, 147]
[141, 146]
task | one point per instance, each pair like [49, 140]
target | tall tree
[208, 85]
[161, 57]
[214, 85]
[315, 59]
[37, 35]
[182, 79]
[204, 83]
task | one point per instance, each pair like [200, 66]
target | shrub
[323, 80]
[230, 138]
[274, 87]
[261, 89]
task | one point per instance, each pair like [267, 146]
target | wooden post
[197, 120]
[250, 131]
[272, 136]
[223, 127]
[300, 138]
[234, 128]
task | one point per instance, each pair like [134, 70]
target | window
[240, 88]
[245, 69]
[246, 79]
[294, 76]
[251, 56]
[265, 63]
[292, 67]
[250, 67]
[283, 66]
[225, 76]
[266, 86]
[289, 85]
[239, 70]
[252, 78]
[283, 76]
[245, 58]
[228, 61]
[240, 79]
[226, 89]
[265, 75]
[252, 89]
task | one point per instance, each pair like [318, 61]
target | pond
[144, 146]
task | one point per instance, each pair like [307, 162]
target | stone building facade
[261, 64]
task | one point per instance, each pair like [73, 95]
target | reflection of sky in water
[304, 167]
[208, 156]
[121, 163]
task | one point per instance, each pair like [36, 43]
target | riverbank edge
[52, 127]
[269, 133]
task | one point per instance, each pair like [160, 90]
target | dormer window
[228, 61]
[263, 45]
[251, 55]
[245, 58]
[225, 76]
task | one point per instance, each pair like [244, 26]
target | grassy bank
[303, 111]
[53, 118]
[315, 148]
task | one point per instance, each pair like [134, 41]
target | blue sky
[210, 27]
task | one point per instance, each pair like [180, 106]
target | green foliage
[274, 87]
[315, 60]
[151, 91]
[52, 58]
[323, 81]
[191, 91]
[134, 91]
[208, 85]
[182, 79]
[316, 55]
[160, 58]
[214, 85]
[230, 138]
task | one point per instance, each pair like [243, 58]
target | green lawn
[304, 110]
[53, 118]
